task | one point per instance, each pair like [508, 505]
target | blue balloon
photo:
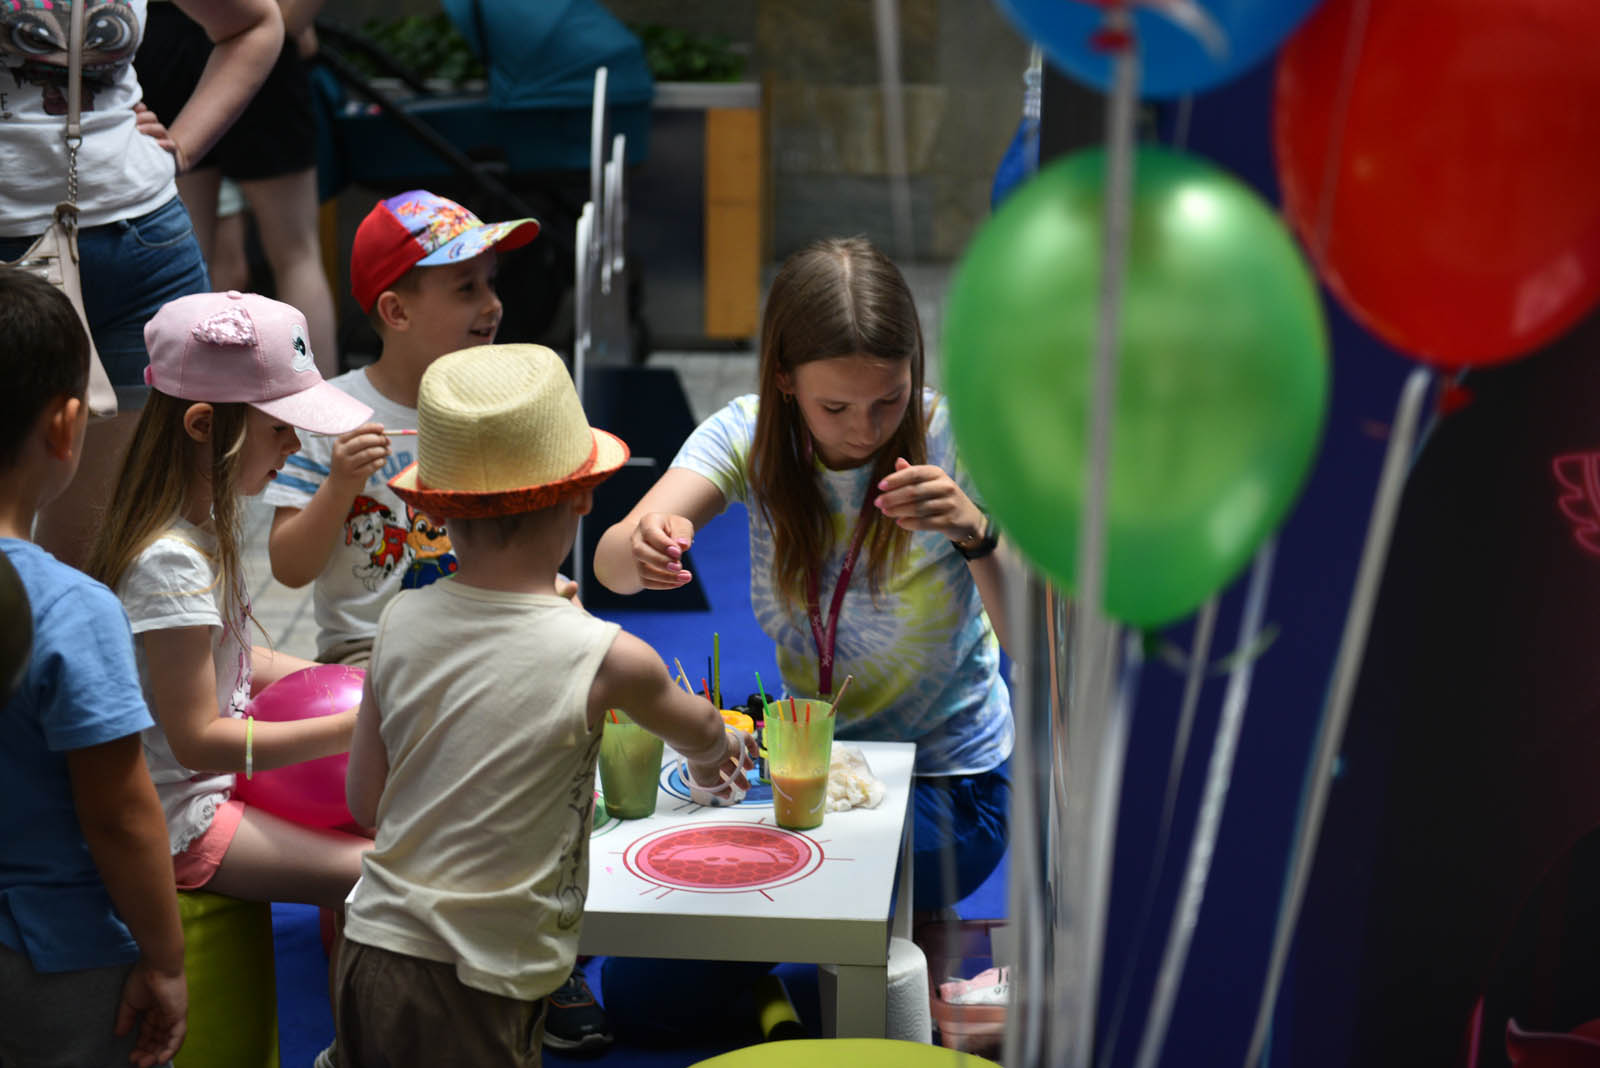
[1020, 162]
[1173, 60]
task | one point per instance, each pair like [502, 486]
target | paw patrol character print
[34, 46]
[431, 555]
[384, 544]
[443, 219]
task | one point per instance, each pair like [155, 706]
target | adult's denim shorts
[130, 268]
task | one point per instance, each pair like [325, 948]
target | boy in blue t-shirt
[91, 947]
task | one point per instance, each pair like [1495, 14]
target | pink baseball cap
[422, 229]
[221, 347]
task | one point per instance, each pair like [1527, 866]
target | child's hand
[659, 542]
[357, 455]
[722, 781]
[567, 588]
[926, 498]
[159, 1002]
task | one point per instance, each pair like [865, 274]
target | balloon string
[1098, 762]
[1330, 732]
[1035, 700]
[1199, 655]
[1202, 846]
[1078, 966]
[1355, 39]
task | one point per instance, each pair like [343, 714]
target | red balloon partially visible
[311, 792]
[1449, 192]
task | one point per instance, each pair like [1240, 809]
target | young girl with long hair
[868, 558]
[868, 555]
[231, 376]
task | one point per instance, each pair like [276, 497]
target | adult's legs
[285, 208]
[199, 190]
[230, 265]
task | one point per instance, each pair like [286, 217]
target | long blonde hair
[152, 491]
[839, 297]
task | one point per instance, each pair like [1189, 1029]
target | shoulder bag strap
[74, 99]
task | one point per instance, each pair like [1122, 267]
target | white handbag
[54, 257]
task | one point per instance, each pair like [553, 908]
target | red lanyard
[824, 639]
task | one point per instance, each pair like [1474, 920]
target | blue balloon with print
[1174, 58]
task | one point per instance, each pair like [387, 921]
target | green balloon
[1222, 379]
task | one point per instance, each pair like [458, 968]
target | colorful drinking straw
[840, 695]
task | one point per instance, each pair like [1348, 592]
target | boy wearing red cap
[423, 268]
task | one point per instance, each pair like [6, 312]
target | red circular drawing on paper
[723, 857]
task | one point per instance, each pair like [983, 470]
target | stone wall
[961, 66]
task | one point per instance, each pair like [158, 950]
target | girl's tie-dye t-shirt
[923, 653]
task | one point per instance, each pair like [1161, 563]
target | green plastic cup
[799, 741]
[630, 767]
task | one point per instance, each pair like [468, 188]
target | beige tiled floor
[710, 380]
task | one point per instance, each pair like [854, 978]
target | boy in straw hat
[474, 752]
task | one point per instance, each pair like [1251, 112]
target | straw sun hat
[500, 431]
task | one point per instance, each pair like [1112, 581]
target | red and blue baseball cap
[420, 229]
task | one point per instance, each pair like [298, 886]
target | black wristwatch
[985, 544]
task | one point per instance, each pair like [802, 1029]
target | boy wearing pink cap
[422, 268]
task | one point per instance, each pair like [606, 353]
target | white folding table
[728, 884]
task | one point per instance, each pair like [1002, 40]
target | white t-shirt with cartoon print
[172, 584]
[122, 173]
[385, 545]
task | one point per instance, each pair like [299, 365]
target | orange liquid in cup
[798, 801]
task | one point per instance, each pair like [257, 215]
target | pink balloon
[311, 792]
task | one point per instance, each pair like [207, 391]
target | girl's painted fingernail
[883, 483]
[878, 501]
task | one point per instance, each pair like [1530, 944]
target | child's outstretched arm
[183, 699]
[126, 832]
[644, 549]
[633, 678]
[302, 539]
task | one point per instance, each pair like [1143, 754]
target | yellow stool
[233, 992]
[846, 1053]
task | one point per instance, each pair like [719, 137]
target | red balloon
[1445, 182]
[311, 792]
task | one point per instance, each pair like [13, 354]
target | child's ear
[786, 383]
[63, 423]
[583, 503]
[197, 421]
[392, 310]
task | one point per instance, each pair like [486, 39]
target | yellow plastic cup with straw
[799, 737]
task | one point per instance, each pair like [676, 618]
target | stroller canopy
[544, 55]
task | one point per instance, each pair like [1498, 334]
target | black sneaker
[573, 1021]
